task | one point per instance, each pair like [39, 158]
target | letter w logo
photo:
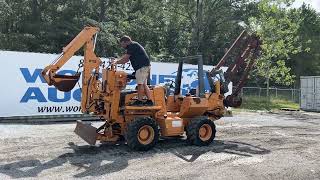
[31, 78]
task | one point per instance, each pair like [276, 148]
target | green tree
[278, 29]
[307, 63]
[170, 29]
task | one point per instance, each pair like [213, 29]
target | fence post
[276, 92]
[292, 95]
[259, 92]
[242, 91]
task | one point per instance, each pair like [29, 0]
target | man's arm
[124, 59]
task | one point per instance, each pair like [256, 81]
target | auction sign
[24, 92]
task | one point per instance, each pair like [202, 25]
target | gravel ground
[284, 145]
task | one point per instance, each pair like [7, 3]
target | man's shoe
[148, 103]
[136, 103]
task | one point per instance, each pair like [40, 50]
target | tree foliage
[170, 29]
[307, 63]
[278, 29]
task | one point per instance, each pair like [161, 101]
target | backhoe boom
[91, 64]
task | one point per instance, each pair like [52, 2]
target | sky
[314, 4]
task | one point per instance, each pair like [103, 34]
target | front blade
[86, 132]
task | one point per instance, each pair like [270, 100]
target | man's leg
[148, 94]
[141, 79]
[146, 87]
[147, 91]
[140, 91]
[142, 76]
[139, 102]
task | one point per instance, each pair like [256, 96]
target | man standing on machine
[141, 65]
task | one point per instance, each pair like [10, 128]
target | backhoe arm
[64, 82]
[245, 47]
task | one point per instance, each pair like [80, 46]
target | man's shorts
[142, 75]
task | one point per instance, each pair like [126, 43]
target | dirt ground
[282, 145]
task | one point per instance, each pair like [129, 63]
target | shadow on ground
[104, 159]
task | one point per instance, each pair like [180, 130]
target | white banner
[24, 92]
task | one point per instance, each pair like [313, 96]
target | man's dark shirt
[138, 56]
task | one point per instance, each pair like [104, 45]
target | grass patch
[256, 103]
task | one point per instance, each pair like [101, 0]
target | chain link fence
[292, 95]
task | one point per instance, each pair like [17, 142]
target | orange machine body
[140, 126]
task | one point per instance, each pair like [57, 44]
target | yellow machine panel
[171, 126]
[193, 106]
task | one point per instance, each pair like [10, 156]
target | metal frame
[200, 75]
